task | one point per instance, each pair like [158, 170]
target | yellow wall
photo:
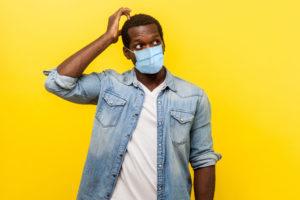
[244, 54]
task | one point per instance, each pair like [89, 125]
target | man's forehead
[137, 31]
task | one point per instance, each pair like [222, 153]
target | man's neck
[151, 81]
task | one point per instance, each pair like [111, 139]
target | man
[148, 123]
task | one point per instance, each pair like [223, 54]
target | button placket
[159, 148]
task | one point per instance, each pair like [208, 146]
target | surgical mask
[150, 60]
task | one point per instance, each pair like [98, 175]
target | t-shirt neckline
[155, 90]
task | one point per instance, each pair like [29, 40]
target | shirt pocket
[180, 125]
[110, 109]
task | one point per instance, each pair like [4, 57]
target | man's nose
[148, 46]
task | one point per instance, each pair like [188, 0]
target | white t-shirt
[138, 175]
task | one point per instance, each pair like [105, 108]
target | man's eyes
[139, 46]
[156, 42]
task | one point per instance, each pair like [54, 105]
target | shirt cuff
[63, 81]
[206, 160]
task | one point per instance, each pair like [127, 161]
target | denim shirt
[183, 129]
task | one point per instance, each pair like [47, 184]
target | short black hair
[138, 20]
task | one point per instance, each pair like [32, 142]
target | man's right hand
[113, 23]
[76, 64]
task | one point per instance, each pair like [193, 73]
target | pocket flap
[113, 100]
[182, 117]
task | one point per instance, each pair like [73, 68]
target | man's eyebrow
[153, 36]
[136, 40]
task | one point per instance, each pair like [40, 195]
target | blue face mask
[150, 60]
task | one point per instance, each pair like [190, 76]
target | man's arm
[67, 80]
[202, 155]
[76, 64]
[204, 183]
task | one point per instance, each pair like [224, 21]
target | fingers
[124, 11]
[113, 22]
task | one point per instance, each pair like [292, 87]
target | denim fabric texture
[183, 129]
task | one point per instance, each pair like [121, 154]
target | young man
[148, 123]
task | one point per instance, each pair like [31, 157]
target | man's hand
[76, 64]
[113, 23]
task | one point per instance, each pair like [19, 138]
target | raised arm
[76, 64]
[67, 80]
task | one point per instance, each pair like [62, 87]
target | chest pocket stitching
[114, 105]
[182, 117]
[113, 100]
[179, 136]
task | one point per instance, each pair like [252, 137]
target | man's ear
[163, 46]
[126, 53]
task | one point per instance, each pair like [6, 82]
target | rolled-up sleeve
[202, 153]
[82, 90]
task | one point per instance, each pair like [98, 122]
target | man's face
[142, 37]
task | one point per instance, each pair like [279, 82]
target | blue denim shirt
[183, 129]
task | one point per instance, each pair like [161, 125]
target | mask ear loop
[129, 49]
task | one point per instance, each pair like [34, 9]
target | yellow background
[244, 54]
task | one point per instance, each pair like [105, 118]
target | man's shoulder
[113, 74]
[186, 88]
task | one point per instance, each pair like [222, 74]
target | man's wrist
[108, 37]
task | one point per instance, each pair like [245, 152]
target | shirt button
[121, 155]
[181, 120]
[107, 195]
[159, 188]
[159, 123]
[159, 144]
[136, 114]
[142, 94]
[114, 175]
[160, 166]
[159, 102]
[127, 134]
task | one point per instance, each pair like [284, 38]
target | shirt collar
[130, 78]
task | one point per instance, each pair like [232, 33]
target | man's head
[141, 32]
